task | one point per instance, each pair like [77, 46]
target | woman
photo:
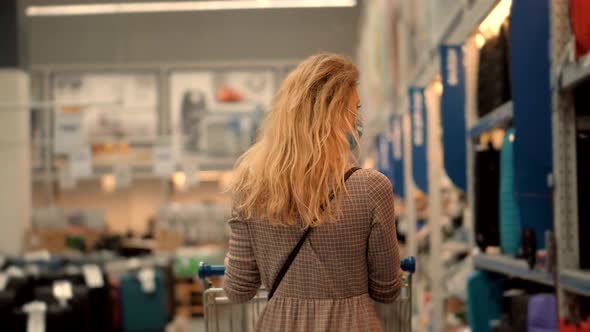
[283, 186]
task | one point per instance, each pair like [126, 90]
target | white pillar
[15, 168]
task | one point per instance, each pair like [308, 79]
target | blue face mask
[350, 136]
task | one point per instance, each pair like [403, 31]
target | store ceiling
[66, 8]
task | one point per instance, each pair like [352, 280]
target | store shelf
[512, 267]
[576, 73]
[575, 281]
[500, 117]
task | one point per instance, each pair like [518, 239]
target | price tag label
[93, 276]
[62, 290]
[36, 316]
[191, 170]
[15, 272]
[122, 174]
[163, 160]
[68, 132]
[81, 163]
[37, 256]
[66, 180]
[147, 279]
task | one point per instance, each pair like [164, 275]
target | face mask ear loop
[358, 126]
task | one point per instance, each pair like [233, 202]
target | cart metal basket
[221, 315]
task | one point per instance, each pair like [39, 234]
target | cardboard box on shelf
[52, 240]
[168, 240]
[56, 240]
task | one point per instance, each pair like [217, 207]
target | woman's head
[302, 151]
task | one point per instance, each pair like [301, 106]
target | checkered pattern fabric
[340, 268]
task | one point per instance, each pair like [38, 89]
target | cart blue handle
[206, 270]
[408, 264]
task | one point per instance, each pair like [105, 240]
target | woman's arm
[242, 278]
[383, 251]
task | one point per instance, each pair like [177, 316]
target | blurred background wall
[191, 36]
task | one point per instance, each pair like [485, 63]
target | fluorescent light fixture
[180, 6]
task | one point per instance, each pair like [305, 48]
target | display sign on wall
[118, 112]
[383, 153]
[531, 100]
[453, 114]
[213, 111]
[419, 134]
[397, 154]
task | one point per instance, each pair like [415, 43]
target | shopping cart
[221, 315]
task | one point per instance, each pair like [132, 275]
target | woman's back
[340, 267]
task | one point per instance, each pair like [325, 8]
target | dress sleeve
[383, 251]
[242, 278]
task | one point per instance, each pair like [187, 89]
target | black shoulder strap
[295, 251]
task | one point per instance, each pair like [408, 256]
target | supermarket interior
[121, 123]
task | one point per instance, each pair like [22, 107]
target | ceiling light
[480, 40]
[108, 183]
[438, 88]
[492, 23]
[179, 180]
[179, 6]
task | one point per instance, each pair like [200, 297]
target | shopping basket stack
[221, 315]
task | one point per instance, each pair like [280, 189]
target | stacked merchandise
[491, 93]
[486, 205]
[97, 293]
[198, 223]
[579, 10]
[201, 236]
[509, 213]
[188, 289]
[497, 304]
[58, 231]
[532, 118]
[494, 61]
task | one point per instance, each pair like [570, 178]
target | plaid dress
[339, 271]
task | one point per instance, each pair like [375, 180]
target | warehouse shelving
[512, 267]
[575, 281]
[465, 20]
[499, 117]
[572, 281]
[575, 73]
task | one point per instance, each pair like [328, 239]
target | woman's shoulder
[373, 176]
[377, 182]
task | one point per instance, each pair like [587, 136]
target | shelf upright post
[434, 153]
[410, 200]
[164, 129]
[47, 115]
[471, 63]
[565, 199]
